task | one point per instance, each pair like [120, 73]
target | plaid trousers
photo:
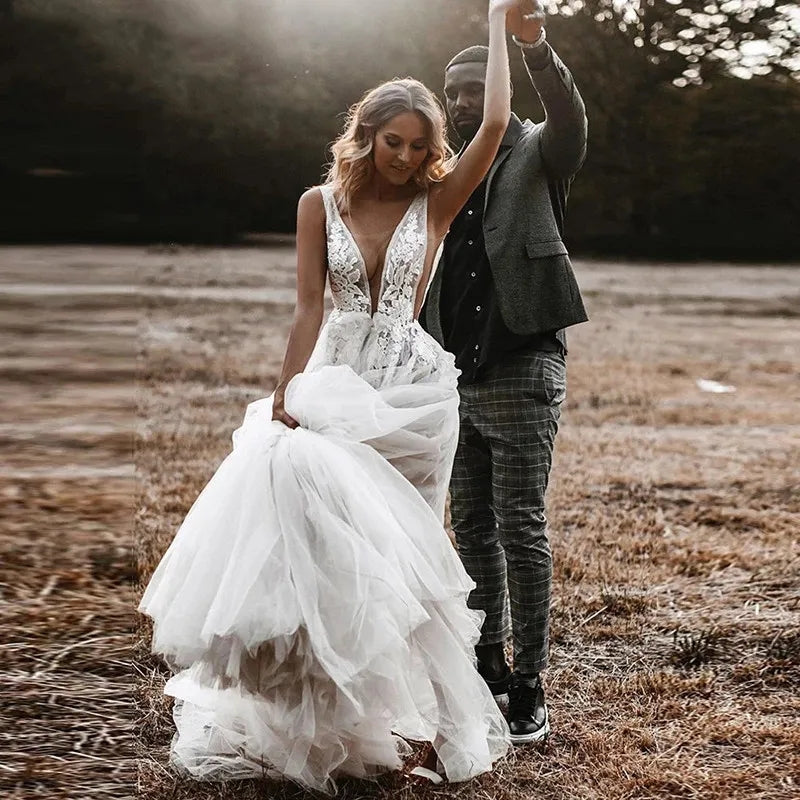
[509, 420]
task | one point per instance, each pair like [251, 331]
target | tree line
[183, 120]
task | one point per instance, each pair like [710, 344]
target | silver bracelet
[538, 42]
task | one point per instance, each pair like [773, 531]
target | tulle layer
[311, 604]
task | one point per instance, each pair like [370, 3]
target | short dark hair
[477, 54]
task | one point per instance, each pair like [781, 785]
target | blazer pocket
[544, 249]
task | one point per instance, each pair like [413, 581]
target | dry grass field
[675, 515]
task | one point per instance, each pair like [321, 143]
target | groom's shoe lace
[527, 712]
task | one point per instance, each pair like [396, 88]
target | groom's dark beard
[466, 130]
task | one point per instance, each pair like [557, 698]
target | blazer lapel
[513, 132]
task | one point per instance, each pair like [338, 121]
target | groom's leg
[522, 415]
[474, 524]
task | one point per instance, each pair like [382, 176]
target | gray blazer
[535, 284]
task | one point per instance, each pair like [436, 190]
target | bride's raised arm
[447, 198]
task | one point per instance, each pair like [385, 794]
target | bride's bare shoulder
[311, 204]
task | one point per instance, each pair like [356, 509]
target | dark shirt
[473, 327]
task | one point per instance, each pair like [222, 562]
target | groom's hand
[526, 20]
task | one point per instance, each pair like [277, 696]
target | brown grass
[676, 611]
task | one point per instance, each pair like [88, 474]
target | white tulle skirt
[311, 605]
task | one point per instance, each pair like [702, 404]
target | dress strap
[329, 201]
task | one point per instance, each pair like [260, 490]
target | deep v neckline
[362, 262]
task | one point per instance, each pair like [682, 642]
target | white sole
[423, 772]
[537, 736]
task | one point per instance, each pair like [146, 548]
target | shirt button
[477, 347]
[477, 308]
[469, 212]
[470, 241]
[474, 360]
[472, 274]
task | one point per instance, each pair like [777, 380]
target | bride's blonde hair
[353, 166]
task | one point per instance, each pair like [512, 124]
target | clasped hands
[524, 18]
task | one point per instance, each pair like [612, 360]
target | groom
[500, 300]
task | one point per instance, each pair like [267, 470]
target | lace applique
[344, 262]
[403, 267]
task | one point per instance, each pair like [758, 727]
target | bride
[311, 606]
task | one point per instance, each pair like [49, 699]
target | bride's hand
[279, 412]
[525, 20]
[502, 6]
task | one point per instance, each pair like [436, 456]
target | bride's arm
[449, 196]
[311, 271]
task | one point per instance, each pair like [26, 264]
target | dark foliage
[189, 120]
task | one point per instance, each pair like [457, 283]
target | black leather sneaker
[527, 715]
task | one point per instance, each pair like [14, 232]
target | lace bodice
[403, 264]
[377, 345]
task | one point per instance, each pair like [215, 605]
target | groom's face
[464, 86]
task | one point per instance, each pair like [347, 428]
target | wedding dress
[311, 605]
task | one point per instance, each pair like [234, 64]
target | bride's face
[401, 146]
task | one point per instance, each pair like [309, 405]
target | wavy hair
[353, 166]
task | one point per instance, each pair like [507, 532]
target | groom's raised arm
[563, 137]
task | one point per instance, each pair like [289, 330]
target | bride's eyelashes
[395, 143]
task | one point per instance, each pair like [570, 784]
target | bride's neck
[382, 191]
